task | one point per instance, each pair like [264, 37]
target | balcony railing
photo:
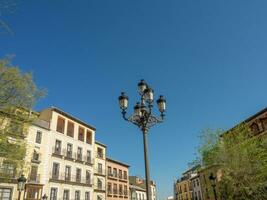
[115, 192]
[99, 155]
[100, 171]
[70, 179]
[68, 154]
[34, 178]
[88, 160]
[56, 151]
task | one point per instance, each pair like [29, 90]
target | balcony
[109, 192]
[88, 160]
[79, 158]
[72, 180]
[99, 155]
[34, 178]
[57, 152]
[115, 192]
[68, 154]
[100, 188]
[100, 172]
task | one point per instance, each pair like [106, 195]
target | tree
[242, 159]
[18, 94]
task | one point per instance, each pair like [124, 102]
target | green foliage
[242, 159]
[18, 94]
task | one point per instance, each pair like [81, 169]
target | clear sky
[208, 57]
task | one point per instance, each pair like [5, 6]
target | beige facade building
[59, 159]
[100, 172]
[139, 182]
[137, 193]
[117, 180]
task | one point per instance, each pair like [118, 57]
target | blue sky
[207, 57]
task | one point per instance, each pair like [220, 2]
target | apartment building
[117, 180]
[183, 187]
[137, 193]
[196, 187]
[139, 182]
[100, 171]
[59, 159]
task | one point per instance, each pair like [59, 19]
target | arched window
[255, 128]
[99, 184]
[264, 123]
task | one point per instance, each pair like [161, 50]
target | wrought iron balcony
[71, 179]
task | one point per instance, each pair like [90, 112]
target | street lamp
[21, 184]
[213, 184]
[44, 197]
[143, 118]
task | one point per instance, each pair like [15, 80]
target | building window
[255, 128]
[89, 137]
[199, 195]
[60, 125]
[120, 173]
[69, 150]
[99, 184]
[70, 129]
[115, 172]
[109, 188]
[77, 195]
[55, 171]
[88, 157]
[87, 195]
[264, 123]
[79, 153]
[5, 193]
[99, 168]
[99, 197]
[120, 189]
[57, 147]
[125, 190]
[7, 170]
[109, 171]
[197, 182]
[125, 175]
[53, 194]
[33, 174]
[78, 175]
[38, 138]
[88, 177]
[67, 173]
[100, 152]
[66, 195]
[81, 134]
[35, 156]
[115, 191]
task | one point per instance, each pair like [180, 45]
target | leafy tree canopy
[18, 94]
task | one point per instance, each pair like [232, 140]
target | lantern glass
[21, 182]
[161, 104]
[149, 95]
[142, 86]
[123, 101]
[137, 109]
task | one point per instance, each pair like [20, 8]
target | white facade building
[100, 172]
[59, 159]
[196, 187]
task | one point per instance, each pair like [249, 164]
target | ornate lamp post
[143, 118]
[21, 184]
[213, 184]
